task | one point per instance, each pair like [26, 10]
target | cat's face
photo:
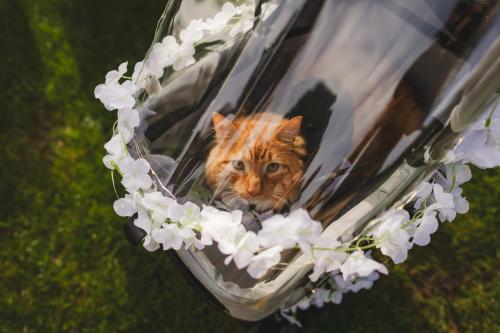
[256, 161]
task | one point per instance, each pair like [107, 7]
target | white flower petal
[357, 264]
[124, 207]
[262, 262]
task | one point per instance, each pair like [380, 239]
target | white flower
[426, 225]
[297, 228]
[394, 240]
[117, 151]
[190, 239]
[193, 32]
[187, 214]
[260, 263]
[494, 131]
[342, 286]
[184, 56]
[162, 55]
[244, 249]
[305, 303]
[458, 174]
[336, 297]
[320, 297]
[128, 119]
[446, 203]
[144, 222]
[461, 204]
[115, 75]
[424, 191]
[144, 71]
[481, 145]
[126, 206]
[158, 205]
[222, 227]
[135, 174]
[169, 236]
[220, 20]
[229, 9]
[140, 74]
[115, 95]
[326, 259]
[357, 264]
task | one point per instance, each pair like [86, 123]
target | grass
[64, 263]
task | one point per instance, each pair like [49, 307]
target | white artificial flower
[458, 173]
[244, 249]
[425, 226]
[117, 151]
[392, 239]
[190, 239]
[263, 261]
[115, 95]
[446, 203]
[184, 56]
[193, 32]
[187, 214]
[169, 236]
[229, 9]
[115, 75]
[126, 206]
[357, 264]
[342, 286]
[296, 228]
[158, 204]
[307, 230]
[220, 20]
[304, 304]
[142, 72]
[144, 222]
[481, 145]
[326, 259]
[320, 297]
[461, 204]
[162, 55]
[336, 297]
[223, 227]
[246, 19]
[128, 119]
[423, 193]
[494, 130]
[135, 174]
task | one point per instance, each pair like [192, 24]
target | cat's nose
[255, 191]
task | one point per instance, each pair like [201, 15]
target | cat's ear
[289, 129]
[223, 126]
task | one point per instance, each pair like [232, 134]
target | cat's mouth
[258, 204]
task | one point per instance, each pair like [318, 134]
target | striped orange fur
[256, 160]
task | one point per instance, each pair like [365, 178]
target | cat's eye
[238, 165]
[273, 167]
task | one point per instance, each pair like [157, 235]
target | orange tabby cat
[256, 160]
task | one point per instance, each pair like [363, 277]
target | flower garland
[396, 231]
[338, 267]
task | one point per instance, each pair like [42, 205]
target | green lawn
[64, 263]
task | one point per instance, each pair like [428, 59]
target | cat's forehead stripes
[260, 152]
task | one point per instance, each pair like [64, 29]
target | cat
[256, 161]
